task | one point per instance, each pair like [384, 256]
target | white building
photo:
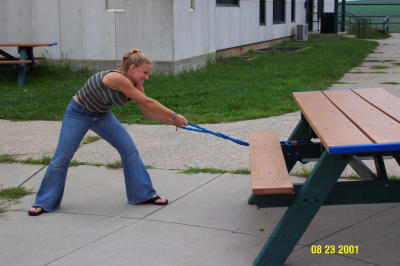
[175, 34]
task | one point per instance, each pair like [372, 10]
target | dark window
[279, 11]
[293, 10]
[262, 12]
[227, 2]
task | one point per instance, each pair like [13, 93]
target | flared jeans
[77, 121]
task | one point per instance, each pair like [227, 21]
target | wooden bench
[269, 174]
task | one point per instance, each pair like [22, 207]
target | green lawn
[226, 90]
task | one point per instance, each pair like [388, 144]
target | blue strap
[241, 142]
[203, 130]
[296, 154]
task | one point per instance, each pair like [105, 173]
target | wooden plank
[269, 174]
[375, 124]
[381, 99]
[22, 44]
[330, 125]
[12, 62]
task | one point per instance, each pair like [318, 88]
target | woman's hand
[179, 120]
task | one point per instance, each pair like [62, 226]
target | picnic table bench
[25, 51]
[337, 128]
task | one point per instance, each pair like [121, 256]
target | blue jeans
[77, 121]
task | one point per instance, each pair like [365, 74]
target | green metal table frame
[24, 54]
[320, 188]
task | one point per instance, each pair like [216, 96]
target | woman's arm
[150, 107]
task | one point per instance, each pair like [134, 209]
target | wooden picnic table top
[27, 44]
[353, 120]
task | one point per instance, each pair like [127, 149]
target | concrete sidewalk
[208, 220]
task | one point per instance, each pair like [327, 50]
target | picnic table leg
[380, 167]
[29, 55]
[397, 158]
[21, 67]
[302, 210]
[251, 201]
[302, 132]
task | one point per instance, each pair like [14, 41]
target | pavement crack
[353, 224]
[29, 178]
[184, 195]
[91, 242]
[205, 227]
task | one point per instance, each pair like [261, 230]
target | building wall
[18, 26]
[45, 26]
[16, 20]
[193, 28]
[87, 30]
[84, 29]
[237, 26]
[194, 33]
[168, 31]
[147, 25]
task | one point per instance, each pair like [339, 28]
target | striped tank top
[97, 98]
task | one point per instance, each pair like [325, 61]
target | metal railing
[348, 20]
[388, 18]
[386, 24]
[384, 21]
[353, 21]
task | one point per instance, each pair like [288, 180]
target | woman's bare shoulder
[115, 80]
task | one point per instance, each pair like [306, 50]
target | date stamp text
[334, 249]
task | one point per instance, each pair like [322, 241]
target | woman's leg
[74, 126]
[139, 187]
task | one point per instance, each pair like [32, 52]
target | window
[192, 6]
[279, 11]
[293, 14]
[115, 5]
[262, 12]
[227, 2]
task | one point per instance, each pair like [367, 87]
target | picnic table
[337, 128]
[25, 51]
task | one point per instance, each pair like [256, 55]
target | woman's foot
[35, 211]
[156, 200]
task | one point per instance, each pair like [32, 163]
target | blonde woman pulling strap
[90, 109]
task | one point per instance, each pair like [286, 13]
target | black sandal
[153, 201]
[32, 213]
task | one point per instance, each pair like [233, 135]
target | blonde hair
[135, 57]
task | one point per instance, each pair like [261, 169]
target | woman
[90, 109]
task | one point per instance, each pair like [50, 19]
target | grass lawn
[226, 90]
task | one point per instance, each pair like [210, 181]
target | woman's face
[139, 74]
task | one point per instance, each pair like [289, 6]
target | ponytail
[135, 57]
